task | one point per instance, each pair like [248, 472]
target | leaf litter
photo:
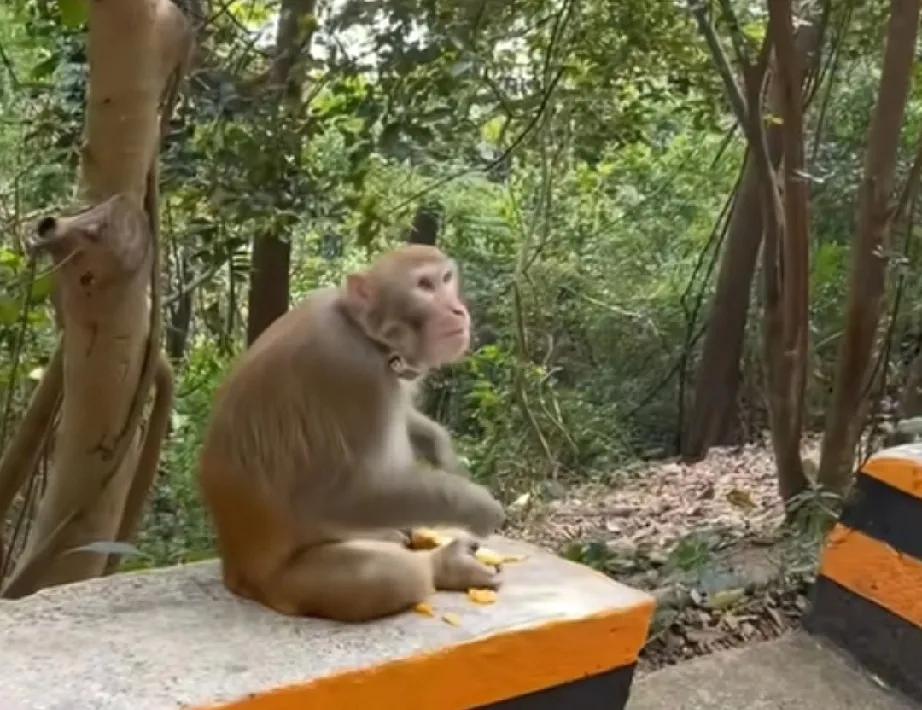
[706, 539]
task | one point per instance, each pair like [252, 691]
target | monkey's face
[413, 307]
[441, 320]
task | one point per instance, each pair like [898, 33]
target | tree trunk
[718, 378]
[425, 228]
[867, 288]
[177, 331]
[787, 358]
[269, 271]
[104, 257]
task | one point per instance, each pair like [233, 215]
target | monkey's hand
[481, 512]
[401, 498]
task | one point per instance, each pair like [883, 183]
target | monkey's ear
[358, 291]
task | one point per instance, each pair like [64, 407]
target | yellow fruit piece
[489, 557]
[450, 618]
[424, 609]
[494, 559]
[427, 539]
[481, 596]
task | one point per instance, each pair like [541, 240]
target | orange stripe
[904, 474]
[875, 571]
[477, 673]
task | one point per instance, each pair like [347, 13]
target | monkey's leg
[361, 580]
[358, 580]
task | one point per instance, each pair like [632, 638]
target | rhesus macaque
[311, 466]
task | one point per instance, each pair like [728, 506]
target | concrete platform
[792, 673]
[559, 635]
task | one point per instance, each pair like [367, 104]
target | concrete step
[559, 635]
[795, 672]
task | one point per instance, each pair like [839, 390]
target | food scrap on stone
[481, 596]
[427, 539]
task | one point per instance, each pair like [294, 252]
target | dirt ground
[704, 538]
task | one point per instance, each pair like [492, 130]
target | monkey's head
[409, 302]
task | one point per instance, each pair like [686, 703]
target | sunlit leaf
[73, 12]
[41, 288]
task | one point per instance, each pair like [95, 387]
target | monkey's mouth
[455, 333]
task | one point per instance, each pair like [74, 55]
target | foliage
[578, 155]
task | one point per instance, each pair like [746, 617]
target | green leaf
[41, 288]
[44, 68]
[9, 310]
[106, 547]
[755, 31]
[73, 12]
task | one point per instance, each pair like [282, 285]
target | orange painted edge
[479, 672]
[875, 571]
[901, 473]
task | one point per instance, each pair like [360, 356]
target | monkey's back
[284, 431]
[307, 394]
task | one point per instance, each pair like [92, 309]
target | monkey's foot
[457, 568]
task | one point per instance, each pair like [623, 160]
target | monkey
[316, 462]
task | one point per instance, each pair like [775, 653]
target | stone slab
[791, 673]
[174, 637]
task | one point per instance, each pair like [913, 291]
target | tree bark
[271, 258]
[867, 288]
[786, 357]
[105, 256]
[717, 383]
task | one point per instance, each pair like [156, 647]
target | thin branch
[10, 68]
[736, 34]
[911, 186]
[493, 164]
[737, 103]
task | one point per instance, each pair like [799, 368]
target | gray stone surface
[172, 637]
[795, 672]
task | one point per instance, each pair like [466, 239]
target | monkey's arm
[433, 443]
[410, 498]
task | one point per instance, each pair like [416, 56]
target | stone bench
[559, 635]
[868, 596]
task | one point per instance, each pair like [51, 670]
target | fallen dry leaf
[519, 503]
[424, 608]
[741, 499]
[481, 596]
[451, 618]
[726, 598]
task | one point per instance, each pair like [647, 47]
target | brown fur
[310, 464]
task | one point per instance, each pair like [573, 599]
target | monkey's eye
[446, 277]
[425, 283]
